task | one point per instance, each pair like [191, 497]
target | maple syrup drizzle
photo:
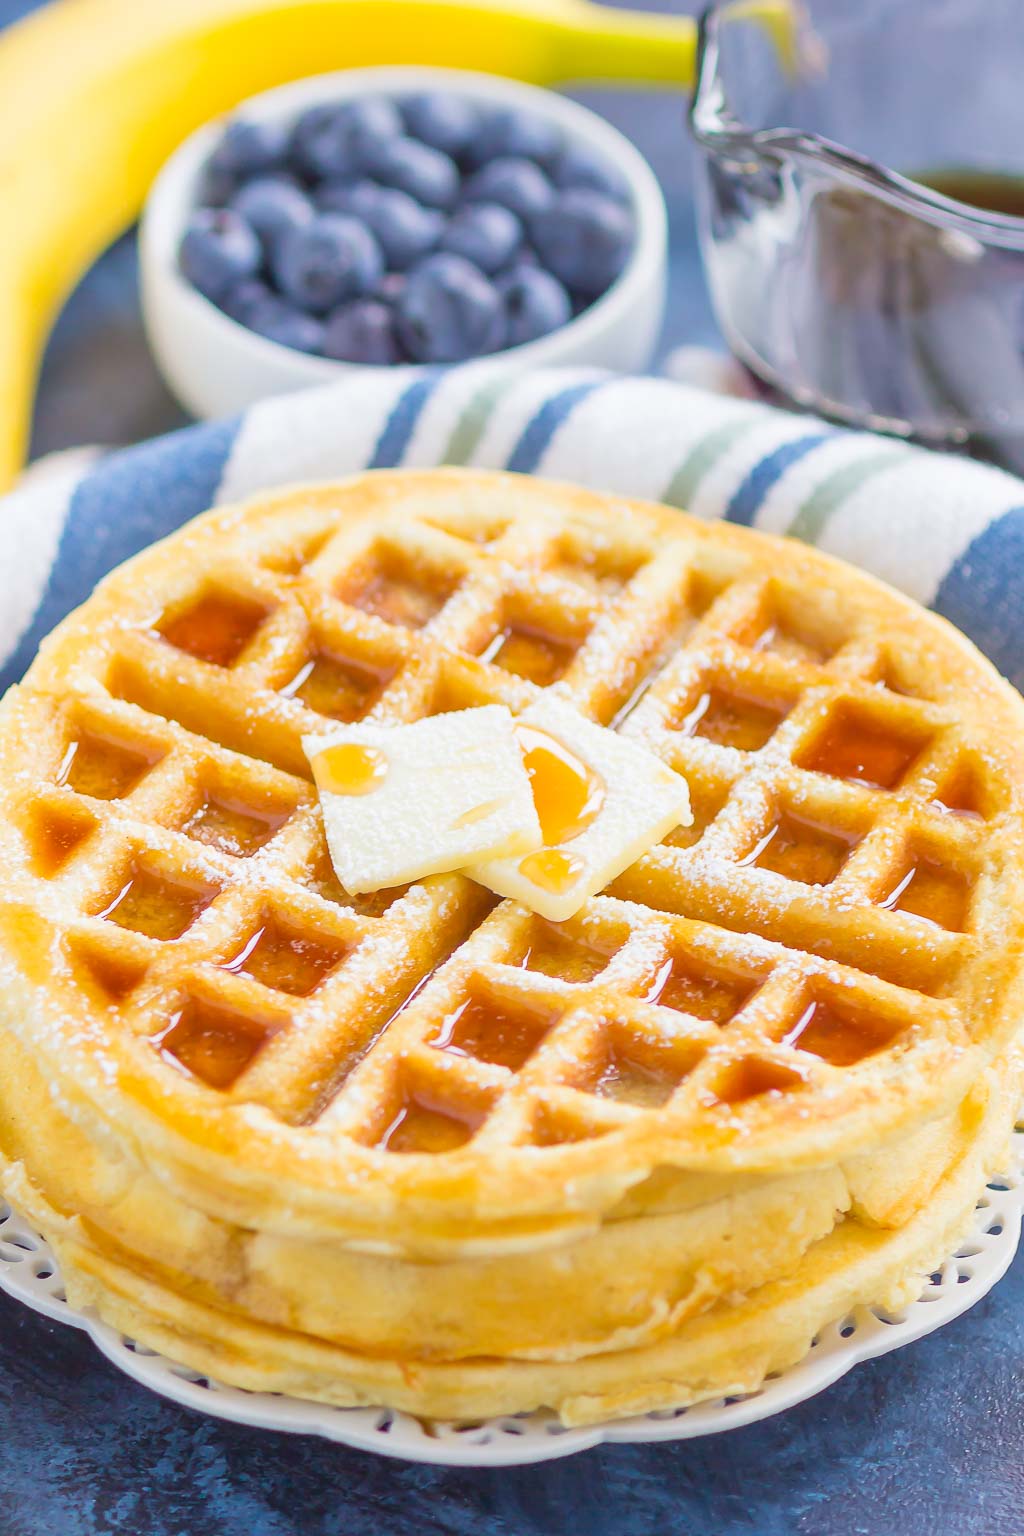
[349, 769]
[567, 794]
[64, 766]
[486, 1032]
[113, 975]
[602, 570]
[554, 1129]
[380, 586]
[211, 1044]
[530, 652]
[892, 901]
[479, 812]
[408, 998]
[233, 826]
[841, 1039]
[158, 908]
[568, 797]
[956, 810]
[705, 804]
[631, 701]
[216, 629]
[553, 952]
[759, 847]
[481, 533]
[732, 720]
[963, 795]
[776, 637]
[337, 686]
[551, 869]
[627, 1081]
[685, 989]
[751, 1078]
[57, 834]
[801, 850]
[691, 720]
[284, 960]
[104, 769]
[933, 893]
[422, 1124]
[861, 750]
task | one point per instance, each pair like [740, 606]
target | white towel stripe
[31, 522]
[911, 523]
[312, 435]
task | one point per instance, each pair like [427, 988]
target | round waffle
[727, 1348]
[633, 1281]
[782, 1008]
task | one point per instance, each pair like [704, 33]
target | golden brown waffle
[757, 1068]
[823, 962]
[645, 1271]
[727, 1347]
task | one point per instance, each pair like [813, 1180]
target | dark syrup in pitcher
[990, 191]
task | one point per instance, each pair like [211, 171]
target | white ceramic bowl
[216, 366]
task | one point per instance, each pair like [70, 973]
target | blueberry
[443, 121]
[390, 288]
[584, 239]
[245, 296]
[285, 324]
[521, 134]
[579, 166]
[312, 133]
[535, 304]
[515, 183]
[215, 186]
[247, 149]
[362, 332]
[449, 312]
[217, 250]
[333, 140]
[328, 260]
[273, 205]
[336, 196]
[405, 230]
[372, 119]
[426, 174]
[485, 233]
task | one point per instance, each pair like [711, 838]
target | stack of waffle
[423, 1148]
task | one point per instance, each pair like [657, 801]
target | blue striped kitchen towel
[947, 531]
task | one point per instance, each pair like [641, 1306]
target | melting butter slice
[404, 801]
[602, 800]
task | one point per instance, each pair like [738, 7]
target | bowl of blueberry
[398, 218]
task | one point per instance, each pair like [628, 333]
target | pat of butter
[404, 801]
[603, 801]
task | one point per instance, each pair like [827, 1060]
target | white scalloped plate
[28, 1271]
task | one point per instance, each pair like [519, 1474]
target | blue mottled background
[928, 1442]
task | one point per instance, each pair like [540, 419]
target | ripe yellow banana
[95, 94]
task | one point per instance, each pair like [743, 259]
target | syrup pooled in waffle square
[824, 960]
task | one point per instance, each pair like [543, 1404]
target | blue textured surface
[928, 1442]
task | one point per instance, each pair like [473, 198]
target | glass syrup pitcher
[861, 210]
